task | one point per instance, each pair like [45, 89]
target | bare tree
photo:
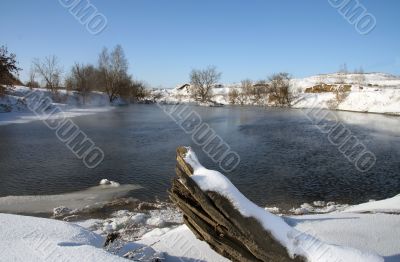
[202, 82]
[114, 72]
[259, 91]
[233, 96]
[244, 91]
[246, 87]
[32, 83]
[50, 71]
[279, 89]
[83, 79]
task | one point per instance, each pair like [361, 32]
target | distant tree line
[274, 90]
[110, 75]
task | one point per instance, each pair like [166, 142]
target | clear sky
[164, 40]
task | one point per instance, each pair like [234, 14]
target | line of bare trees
[275, 90]
[110, 76]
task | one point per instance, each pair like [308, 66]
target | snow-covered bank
[14, 108]
[38, 239]
[377, 233]
[376, 93]
[391, 205]
[153, 232]
[147, 236]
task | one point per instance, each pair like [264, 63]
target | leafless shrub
[341, 93]
[136, 91]
[113, 69]
[233, 96]
[32, 83]
[279, 89]
[50, 71]
[83, 79]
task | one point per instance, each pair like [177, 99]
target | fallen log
[214, 219]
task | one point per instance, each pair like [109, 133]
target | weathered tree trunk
[212, 218]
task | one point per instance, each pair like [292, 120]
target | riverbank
[157, 232]
[14, 108]
[376, 93]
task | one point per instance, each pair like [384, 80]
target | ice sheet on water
[90, 198]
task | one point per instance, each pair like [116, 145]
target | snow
[375, 232]
[105, 181]
[318, 207]
[338, 236]
[86, 199]
[365, 232]
[179, 244]
[391, 205]
[38, 239]
[296, 242]
[380, 93]
[14, 108]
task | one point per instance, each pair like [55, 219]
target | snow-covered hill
[370, 92]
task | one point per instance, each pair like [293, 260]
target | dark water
[285, 160]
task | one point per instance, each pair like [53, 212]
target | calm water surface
[285, 160]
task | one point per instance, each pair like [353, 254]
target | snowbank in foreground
[374, 232]
[339, 236]
[178, 245]
[154, 238]
[38, 239]
[391, 205]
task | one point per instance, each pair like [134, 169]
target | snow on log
[217, 213]
[214, 219]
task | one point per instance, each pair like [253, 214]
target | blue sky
[164, 40]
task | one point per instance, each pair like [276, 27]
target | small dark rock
[111, 238]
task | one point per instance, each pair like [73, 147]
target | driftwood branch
[212, 218]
